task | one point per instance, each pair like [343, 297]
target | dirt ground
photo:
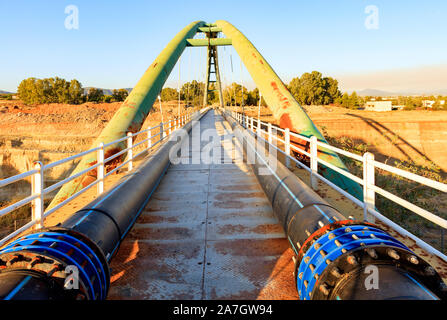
[87, 119]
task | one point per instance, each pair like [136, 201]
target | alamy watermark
[72, 279]
[372, 281]
[372, 20]
[72, 19]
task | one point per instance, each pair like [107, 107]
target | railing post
[369, 196]
[270, 134]
[287, 146]
[37, 185]
[162, 134]
[169, 127]
[258, 130]
[100, 171]
[252, 123]
[149, 139]
[129, 151]
[313, 162]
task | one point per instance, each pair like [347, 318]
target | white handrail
[41, 190]
[367, 181]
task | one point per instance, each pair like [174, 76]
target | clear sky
[117, 40]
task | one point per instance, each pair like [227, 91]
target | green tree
[354, 100]
[59, 90]
[120, 95]
[345, 100]
[50, 90]
[233, 95]
[26, 91]
[192, 92]
[95, 95]
[107, 98]
[314, 89]
[76, 92]
[169, 94]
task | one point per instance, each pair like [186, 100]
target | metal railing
[367, 181]
[38, 190]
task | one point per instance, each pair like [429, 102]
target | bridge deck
[208, 232]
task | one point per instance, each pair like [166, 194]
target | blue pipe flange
[354, 246]
[51, 252]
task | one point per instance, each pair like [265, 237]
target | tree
[95, 95]
[354, 100]
[345, 101]
[50, 90]
[233, 95]
[192, 92]
[349, 101]
[169, 94]
[26, 91]
[59, 90]
[107, 98]
[75, 92]
[120, 95]
[313, 89]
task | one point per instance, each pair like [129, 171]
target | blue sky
[117, 40]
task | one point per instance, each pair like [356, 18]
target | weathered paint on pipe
[132, 113]
[208, 42]
[283, 105]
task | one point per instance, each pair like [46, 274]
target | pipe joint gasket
[50, 252]
[332, 245]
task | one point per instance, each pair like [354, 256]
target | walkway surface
[208, 232]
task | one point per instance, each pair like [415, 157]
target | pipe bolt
[336, 272]
[413, 259]
[372, 253]
[324, 290]
[430, 271]
[351, 260]
[393, 254]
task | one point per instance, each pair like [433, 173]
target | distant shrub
[120, 95]
[95, 95]
[50, 90]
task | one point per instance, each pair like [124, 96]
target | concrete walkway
[208, 232]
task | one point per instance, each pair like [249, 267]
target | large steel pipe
[335, 255]
[35, 266]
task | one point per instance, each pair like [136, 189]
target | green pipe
[132, 113]
[283, 105]
[208, 42]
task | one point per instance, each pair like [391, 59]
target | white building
[379, 106]
[428, 103]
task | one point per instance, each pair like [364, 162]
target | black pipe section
[71, 260]
[336, 258]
